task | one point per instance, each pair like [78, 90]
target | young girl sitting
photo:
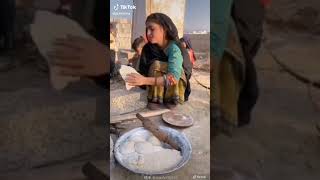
[186, 43]
[137, 46]
[164, 64]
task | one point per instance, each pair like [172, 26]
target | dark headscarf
[152, 52]
[166, 23]
[186, 39]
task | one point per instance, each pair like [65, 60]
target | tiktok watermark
[123, 9]
[160, 177]
[200, 176]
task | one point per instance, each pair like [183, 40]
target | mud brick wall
[124, 28]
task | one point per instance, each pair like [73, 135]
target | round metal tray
[178, 137]
[177, 119]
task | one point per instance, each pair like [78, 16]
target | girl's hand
[77, 56]
[135, 79]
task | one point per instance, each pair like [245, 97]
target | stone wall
[124, 28]
[200, 42]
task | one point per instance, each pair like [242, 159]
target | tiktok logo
[116, 7]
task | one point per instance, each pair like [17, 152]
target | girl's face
[155, 33]
[184, 45]
[139, 51]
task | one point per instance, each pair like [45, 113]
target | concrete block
[40, 126]
[123, 101]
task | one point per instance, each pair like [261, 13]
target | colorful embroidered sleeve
[175, 61]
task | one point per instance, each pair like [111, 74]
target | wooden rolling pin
[157, 132]
[124, 117]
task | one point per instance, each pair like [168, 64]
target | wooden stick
[120, 118]
[157, 132]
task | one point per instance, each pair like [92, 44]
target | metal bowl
[178, 137]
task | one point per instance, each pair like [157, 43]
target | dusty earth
[294, 14]
[282, 141]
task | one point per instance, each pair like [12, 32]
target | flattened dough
[161, 160]
[124, 71]
[137, 139]
[127, 148]
[46, 28]
[154, 140]
[135, 160]
[144, 147]
[142, 154]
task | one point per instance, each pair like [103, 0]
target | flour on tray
[148, 154]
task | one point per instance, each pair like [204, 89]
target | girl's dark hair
[172, 34]
[169, 27]
[137, 43]
[167, 24]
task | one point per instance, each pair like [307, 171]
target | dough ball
[140, 160]
[135, 161]
[157, 148]
[127, 147]
[144, 147]
[137, 138]
[154, 140]
[161, 160]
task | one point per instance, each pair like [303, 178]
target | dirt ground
[282, 141]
